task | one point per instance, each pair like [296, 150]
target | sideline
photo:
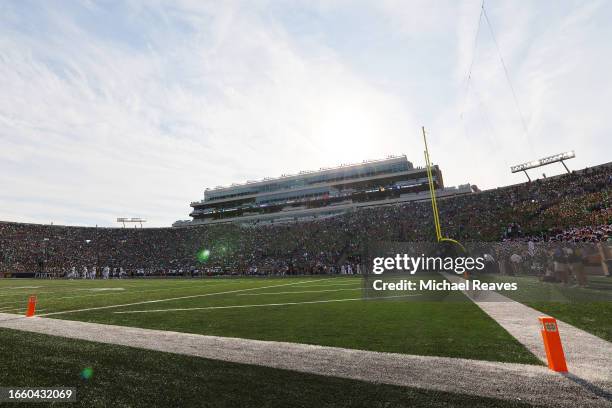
[587, 356]
[509, 381]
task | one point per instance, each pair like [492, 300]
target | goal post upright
[434, 203]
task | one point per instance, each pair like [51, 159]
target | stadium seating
[569, 207]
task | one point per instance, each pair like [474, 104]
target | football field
[433, 339]
[322, 311]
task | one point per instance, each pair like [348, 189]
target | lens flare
[87, 373]
[203, 255]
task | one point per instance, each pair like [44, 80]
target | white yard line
[130, 284]
[588, 356]
[238, 306]
[91, 295]
[302, 291]
[258, 305]
[129, 290]
[169, 299]
[26, 294]
[332, 284]
[124, 292]
[530, 384]
[22, 310]
[18, 294]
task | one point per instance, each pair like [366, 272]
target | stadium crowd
[573, 207]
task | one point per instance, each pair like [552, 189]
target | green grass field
[314, 310]
[320, 311]
[129, 377]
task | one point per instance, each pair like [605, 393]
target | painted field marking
[46, 289]
[339, 285]
[176, 284]
[23, 287]
[18, 294]
[259, 305]
[39, 293]
[167, 299]
[302, 291]
[127, 292]
[113, 292]
[75, 284]
[184, 285]
[20, 310]
[101, 289]
[51, 299]
[106, 293]
[313, 285]
[131, 292]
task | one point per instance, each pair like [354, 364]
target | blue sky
[111, 109]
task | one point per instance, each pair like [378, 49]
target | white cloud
[93, 129]
[557, 63]
[133, 110]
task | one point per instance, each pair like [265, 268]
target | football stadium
[387, 282]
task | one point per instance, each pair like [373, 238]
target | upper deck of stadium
[346, 173]
[314, 191]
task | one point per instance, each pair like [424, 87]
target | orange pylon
[552, 344]
[31, 306]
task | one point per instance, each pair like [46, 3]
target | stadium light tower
[131, 220]
[543, 162]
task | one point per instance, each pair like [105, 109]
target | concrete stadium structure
[327, 191]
